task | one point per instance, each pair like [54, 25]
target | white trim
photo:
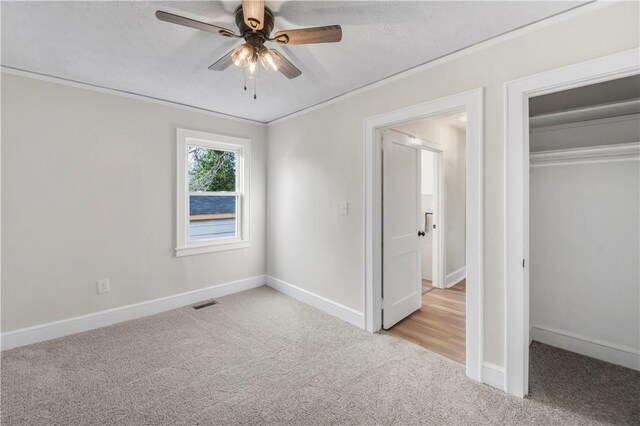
[493, 375]
[588, 155]
[619, 110]
[212, 248]
[438, 256]
[456, 276]
[594, 348]
[473, 102]
[117, 92]
[516, 184]
[588, 123]
[53, 330]
[242, 148]
[510, 35]
[335, 309]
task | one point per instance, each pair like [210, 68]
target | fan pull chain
[255, 84]
[244, 71]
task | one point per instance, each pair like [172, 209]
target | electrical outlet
[103, 286]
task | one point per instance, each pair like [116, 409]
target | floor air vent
[205, 304]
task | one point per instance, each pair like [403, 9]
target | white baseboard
[530, 335]
[456, 276]
[594, 348]
[493, 375]
[329, 306]
[53, 330]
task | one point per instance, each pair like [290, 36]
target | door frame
[438, 251]
[516, 184]
[473, 103]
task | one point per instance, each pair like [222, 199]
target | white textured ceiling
[121, 45]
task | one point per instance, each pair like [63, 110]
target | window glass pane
[211, 170]
[212, 216]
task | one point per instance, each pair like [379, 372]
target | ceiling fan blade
[192, 23]
[253, 11]
[222, 63]
[285, 66]
[328, 34]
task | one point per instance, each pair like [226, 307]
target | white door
[401, 221]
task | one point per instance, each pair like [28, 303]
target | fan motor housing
[247, 32]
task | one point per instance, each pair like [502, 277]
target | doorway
[584, 279]
[517, 186]
[431, 196]
[424, 232]
[472, 104]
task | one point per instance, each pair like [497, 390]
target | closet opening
[584, 246]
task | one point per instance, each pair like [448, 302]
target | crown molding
[123, 93]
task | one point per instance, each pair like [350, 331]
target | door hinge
[523, 263]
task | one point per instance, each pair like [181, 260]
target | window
[213, 192]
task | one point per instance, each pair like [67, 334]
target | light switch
[344, 208]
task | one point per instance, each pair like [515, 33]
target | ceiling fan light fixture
[255, 24]
[253, 68]
[243, 55]
[268, 59]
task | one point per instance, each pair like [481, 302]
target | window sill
[211, 248]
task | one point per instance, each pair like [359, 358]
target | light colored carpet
[257, 357]
[600, 390]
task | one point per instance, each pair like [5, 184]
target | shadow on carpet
[596, 389]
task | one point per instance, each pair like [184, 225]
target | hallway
[439, 325]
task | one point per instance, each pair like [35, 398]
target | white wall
[426, 174]
[455, 193]
[426, 200]
[585, 246]
[89, 192]
[453, 141]
[316, 159]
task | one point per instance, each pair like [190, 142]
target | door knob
[421, 234]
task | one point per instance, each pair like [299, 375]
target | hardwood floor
[427, 286]
[439, 325]
[460, 287]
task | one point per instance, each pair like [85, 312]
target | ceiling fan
[255, 22]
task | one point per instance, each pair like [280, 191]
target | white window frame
[242, 148]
